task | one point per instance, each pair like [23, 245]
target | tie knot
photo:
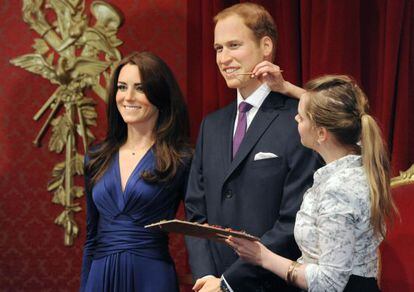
[244, 107]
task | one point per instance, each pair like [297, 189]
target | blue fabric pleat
[121, 235]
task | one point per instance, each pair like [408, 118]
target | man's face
[237, 51]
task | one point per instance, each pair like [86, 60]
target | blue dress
[119, 253]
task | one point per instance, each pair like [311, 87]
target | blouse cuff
[311, 273]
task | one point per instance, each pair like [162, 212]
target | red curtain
[371, 40]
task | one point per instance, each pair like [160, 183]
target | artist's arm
[336, 234]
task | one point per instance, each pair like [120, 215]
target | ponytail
[377, 168]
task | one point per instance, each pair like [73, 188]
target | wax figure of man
[250, 170]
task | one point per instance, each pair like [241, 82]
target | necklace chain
[134, 151]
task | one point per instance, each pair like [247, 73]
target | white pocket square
[264, 155]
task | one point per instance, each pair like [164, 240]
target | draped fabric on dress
[119, 253]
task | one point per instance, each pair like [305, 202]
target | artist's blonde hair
[339, 105]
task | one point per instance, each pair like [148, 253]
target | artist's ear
[322, 135]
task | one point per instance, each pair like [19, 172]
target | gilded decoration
[405, 177]
[74, 56]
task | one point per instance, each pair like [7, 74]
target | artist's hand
[207, 284]
[250, 251]
[269, 73]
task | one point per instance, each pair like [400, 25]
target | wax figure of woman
[135, 177]
[342, 218]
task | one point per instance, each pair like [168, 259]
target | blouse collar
[331, 168]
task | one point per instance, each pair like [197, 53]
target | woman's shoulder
[349, 180]
[347, 190]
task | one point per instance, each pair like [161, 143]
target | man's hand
[207, 284]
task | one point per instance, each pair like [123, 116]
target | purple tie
[244, 107]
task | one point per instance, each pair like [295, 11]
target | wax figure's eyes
[121, 87]
[139, 88]
[124, 87]
[234, 45]
[218, 48]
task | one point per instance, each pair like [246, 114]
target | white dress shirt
[255, 99]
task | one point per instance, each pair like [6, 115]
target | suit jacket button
[228, 194]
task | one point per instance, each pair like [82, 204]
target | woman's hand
[251, 251]
[269, 73]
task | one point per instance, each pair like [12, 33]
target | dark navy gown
[119, 253]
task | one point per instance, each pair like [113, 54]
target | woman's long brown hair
[171, 147]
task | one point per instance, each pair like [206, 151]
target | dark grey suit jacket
[260, 197]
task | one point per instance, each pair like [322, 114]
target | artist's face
[237, 51]
[132, 103]
[306, 129]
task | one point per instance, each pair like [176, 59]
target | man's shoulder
[284, 101]
[222, 113]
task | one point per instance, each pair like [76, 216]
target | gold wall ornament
[74, 56]
[405, 177]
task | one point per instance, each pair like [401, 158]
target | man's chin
[233, 83]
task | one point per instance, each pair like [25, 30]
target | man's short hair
[255, 17]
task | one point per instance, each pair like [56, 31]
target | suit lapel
[264, 117]
[226, 135]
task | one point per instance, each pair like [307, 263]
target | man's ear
[267, 46]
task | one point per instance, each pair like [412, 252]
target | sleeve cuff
[311, 271]
[224, 286]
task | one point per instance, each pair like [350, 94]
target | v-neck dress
[119, 253]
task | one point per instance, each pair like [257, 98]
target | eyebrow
[124, 83]
[228, 42]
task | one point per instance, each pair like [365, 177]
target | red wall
[32, 255]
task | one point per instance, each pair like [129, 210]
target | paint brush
[250, 73]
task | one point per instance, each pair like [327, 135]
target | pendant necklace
[134, 151]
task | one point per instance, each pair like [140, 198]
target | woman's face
[132, 103]
[306, 129]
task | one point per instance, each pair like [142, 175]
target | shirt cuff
[227, 284]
